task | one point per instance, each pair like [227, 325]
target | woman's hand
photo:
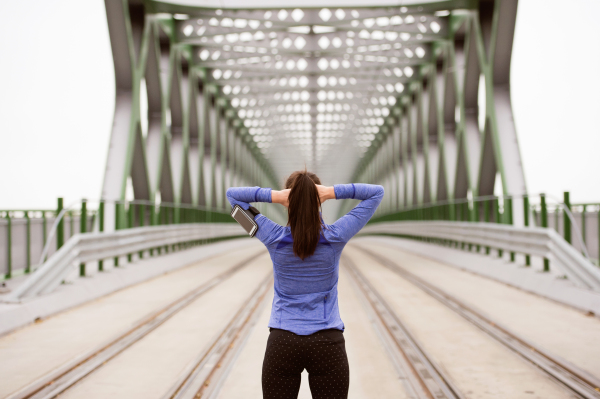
[280, 197]
[325, 193]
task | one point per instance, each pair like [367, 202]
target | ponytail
[303, 212]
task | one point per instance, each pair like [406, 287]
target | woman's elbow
[229, 194]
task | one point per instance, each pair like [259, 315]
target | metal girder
[365, 55]
[454, 125]
[388, 94]
[161, 150]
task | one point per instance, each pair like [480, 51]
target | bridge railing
[114, 246]
[541, 242]
[578, 224]
[29, 237]
[24, 233]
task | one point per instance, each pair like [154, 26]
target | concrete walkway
[567, 332]
[478, 365]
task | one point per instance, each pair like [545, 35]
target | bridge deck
[202, 328]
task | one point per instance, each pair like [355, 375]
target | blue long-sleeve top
[306, 297]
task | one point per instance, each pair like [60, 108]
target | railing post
[476, 217]
[28, 243]
[566, 220]
[131, 216]
[486, 210]
[583, 226]
[60, 229]
[526, 223]
[83, 229]
[544, 217]
[130, 222]
[508, 213]
[141, 222]
[44, 227]
[152, 216]
[141, 215]
[496, 206]
[467, 212]
[486, 218]
[461, 208]
[101, 229]
[473, 211]
[498, 220]
[8, 245]
[71, 224]
[117, 226]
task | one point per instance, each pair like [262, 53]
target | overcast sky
[57, 99]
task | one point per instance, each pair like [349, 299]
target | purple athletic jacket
[306, 297]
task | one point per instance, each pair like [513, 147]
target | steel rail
[204, 375]
[55, 383]
[425, 378]
[579, 381]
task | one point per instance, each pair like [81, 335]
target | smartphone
[245, 220]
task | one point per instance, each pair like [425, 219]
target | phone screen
[244, 220]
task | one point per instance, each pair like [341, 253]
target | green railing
[23, 234]
[578, 223]
[29, 236]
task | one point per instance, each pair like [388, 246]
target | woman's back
[316, 273]
[306, 299]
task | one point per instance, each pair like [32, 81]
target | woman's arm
[351, 223]
[325, 193]
[280, 197]
[243, 196]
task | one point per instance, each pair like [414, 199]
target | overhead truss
[209, 97]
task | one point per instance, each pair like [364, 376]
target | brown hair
[303, 212]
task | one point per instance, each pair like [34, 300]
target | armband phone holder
[246, 218]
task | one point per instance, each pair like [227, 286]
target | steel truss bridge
[463, 284]
[414, 97]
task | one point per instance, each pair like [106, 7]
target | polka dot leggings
[322, 354]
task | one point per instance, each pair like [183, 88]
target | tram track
[202, 378]
[424, 378]
[578, 381]
[63, 378]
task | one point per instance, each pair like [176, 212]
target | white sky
[57, 99]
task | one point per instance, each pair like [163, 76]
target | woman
[306, 328]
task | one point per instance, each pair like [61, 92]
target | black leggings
[322, 354]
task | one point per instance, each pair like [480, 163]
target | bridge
[463, 285]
